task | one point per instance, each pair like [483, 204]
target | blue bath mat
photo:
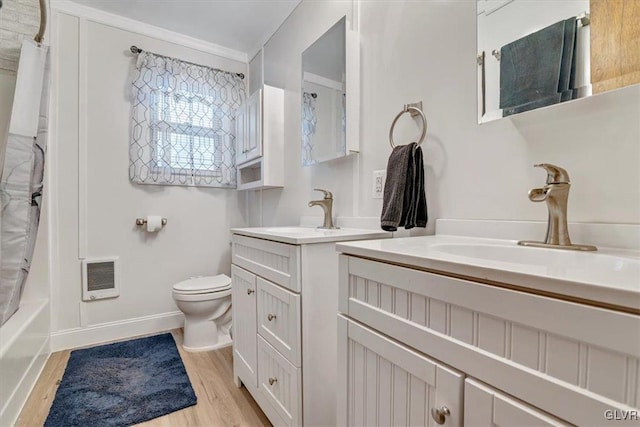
[122, 384]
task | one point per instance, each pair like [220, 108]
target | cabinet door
[390, 384]
[253, 137]
[279, 319]
[484, 406]
[241, 134]
[244, 326]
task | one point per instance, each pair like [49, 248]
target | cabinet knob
[272, 381]
[270, 317]
[439, 414]
[250, 291]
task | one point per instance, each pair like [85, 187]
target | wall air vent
[100, 279]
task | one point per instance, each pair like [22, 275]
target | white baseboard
[114, 331]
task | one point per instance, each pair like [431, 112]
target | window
[182, 123]
[187, 134]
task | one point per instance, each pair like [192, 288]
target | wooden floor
[220, 402]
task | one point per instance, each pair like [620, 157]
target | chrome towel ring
[414, 110]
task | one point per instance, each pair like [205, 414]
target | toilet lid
[203, 284]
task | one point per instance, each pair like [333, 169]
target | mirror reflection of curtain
[343, 136]
[22, 176]
[309, 122]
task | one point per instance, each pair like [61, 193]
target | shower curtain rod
[43, 21]
[136, 50]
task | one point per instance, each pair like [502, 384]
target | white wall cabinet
[249, 129]
[525, 359]
[260, 140]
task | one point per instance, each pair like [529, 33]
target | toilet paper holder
[143, 221]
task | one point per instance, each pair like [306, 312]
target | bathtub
[24, 349]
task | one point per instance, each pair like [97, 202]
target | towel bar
[415, 110]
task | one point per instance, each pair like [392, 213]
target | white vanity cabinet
[260, 139]
[285, 299]
[243, 295]
[389, 384]
[412, 341]
[267, 325]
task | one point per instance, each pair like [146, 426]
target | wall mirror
[536, 53]
[329, 111]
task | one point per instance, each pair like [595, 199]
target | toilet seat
[203, 285]
[205, 302]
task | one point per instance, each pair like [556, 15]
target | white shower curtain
[22, 175]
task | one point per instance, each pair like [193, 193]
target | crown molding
[123, 23]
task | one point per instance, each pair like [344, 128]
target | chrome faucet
[327, 205]
[556, 194]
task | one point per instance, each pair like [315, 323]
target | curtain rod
[136, 50]
[43, 21]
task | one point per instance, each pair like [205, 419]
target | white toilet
[206, 304]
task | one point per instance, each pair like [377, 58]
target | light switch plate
[378, 183]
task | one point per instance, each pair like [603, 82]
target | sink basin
[299, 231]
[610, 276]
[539, 256]
[301, 235]
[289, 230]
[619, 270]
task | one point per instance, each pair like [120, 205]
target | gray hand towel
[404, 201]
[539, 69]
[417, 210]
[567, 67]
[530, 66]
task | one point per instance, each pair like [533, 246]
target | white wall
[96, 205]
[426, 50]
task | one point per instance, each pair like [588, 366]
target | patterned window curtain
[309, 122]
[182, 123]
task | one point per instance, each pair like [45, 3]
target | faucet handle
[555, 174]
[327, 194]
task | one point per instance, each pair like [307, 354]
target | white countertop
[607, 276]
[306, 235]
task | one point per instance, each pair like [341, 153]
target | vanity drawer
[279, 319]
[484, 406]
[277, 262]
[571, 360]
[279, 385]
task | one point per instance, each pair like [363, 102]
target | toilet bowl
[206, 304]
